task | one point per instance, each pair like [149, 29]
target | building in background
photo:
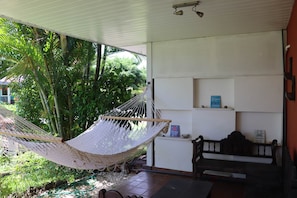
[5, 91]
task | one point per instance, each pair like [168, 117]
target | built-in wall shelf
[181, 100]
[204, 88]
[183, 118]
[214, 109]
[175, 138]
[259, 93]
[173, 93]
[213, 124]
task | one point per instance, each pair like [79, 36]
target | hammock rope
[112, 139]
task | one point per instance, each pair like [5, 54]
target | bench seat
[228, 166]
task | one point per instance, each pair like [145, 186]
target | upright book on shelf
[215, 101]
[175, 131]
[260, 136]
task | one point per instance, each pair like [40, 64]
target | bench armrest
[197, 148]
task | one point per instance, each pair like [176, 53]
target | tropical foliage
[64, 83]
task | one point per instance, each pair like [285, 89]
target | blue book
[215, 102]
[175, 131]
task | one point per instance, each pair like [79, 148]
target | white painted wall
[244, 54]
[246, 70]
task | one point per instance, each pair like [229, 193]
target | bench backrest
[236, 144]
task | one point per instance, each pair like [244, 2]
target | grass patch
[10, 107]
[21, 172]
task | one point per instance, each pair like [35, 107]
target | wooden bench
[224, 153]
[284, 185]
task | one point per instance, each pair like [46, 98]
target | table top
[181, 188]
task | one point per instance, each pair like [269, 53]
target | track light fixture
[181, 5]
[179, 12]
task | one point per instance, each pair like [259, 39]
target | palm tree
[74, 81]
[46, 57]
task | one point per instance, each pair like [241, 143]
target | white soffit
[131, 24]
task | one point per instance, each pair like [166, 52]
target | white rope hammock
[112, 139]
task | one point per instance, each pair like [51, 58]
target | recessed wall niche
[204, 88]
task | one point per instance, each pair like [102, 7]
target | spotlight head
[180, 12]
[199, 13]
[181, 5]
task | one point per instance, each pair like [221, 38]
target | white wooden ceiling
[130, 23]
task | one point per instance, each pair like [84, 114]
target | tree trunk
[98, 64]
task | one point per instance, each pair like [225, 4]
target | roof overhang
[132, 24]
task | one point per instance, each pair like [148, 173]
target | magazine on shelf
[215, 101]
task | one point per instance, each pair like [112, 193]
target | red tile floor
[146, 184]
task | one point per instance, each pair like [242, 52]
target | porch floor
[146, 184]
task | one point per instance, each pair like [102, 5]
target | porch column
[8, 96]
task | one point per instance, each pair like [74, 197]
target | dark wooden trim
[166, 171]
